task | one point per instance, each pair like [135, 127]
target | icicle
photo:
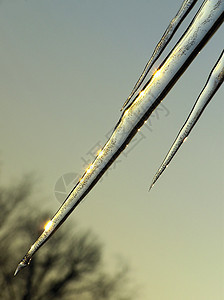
[206, 22]
[185, 8]
[213, 83]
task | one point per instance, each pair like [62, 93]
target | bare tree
[70, 265]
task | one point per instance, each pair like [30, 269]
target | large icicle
[213, 83]
[185, 8]
[207, 20]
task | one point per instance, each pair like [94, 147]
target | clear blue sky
[66, 68]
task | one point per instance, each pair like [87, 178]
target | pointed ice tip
[151, 186]
[126, 102]
[20, 266]
[122, 108]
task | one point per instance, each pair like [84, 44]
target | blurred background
[66, 70]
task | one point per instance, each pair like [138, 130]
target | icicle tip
[20, 266]
[151, 186]
[24, 262]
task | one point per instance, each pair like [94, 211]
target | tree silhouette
[69, 266]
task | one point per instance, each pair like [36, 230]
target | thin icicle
[213, 83]
[185, 8]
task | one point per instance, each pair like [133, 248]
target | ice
[214, 81]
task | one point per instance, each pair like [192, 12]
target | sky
[66, 69]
